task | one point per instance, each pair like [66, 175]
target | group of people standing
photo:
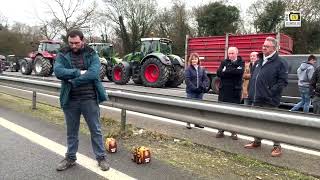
[257, 83]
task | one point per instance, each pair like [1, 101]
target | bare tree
[174, 23]
[71, 14]
[309, 8]
[19, 39]
[50, 29]
[133, 19]
[3, 22]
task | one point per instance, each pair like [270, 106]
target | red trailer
[213, 49]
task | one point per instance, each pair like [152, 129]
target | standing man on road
[305, 72]
[230, 73]
[247, 75]
[77, 66]
[270, 76]
[315, 90]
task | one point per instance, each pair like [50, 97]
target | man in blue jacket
[77, 66]
[270, 76]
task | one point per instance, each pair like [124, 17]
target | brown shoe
[276, 151]
[198, 126]
[188, 126]
[234, 136]
[252, 145]
[220, 134]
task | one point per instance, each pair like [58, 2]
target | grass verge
[206, 162]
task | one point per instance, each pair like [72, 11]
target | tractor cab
[49, 46]
[161, 45]
[103, 49]
[107, 58]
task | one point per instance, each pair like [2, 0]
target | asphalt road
[22, 159]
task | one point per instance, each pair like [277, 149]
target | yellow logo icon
[294, 16]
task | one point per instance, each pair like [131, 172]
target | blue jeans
[305, 100]
[91, 113]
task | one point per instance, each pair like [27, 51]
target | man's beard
[75, 50]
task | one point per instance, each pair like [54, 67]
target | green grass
[206, 162]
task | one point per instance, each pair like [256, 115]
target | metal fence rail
[292, 128]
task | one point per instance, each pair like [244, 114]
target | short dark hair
[312, 57]
[75, 33]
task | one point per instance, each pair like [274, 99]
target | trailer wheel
[215, 84]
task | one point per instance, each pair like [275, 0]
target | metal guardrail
[288, 127]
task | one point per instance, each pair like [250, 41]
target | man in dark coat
[269, 78]
[315, 90]
[230, 73]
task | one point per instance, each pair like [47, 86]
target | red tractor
[42, 60]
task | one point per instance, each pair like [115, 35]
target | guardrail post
[123, 119]
[34, 100]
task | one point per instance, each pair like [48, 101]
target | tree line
[124, 22]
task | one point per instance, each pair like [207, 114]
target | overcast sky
[28, 11]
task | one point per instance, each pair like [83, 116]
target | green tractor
[153, 66]
[107, 58]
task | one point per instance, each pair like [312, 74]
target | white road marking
[267, 142]
[82, 160]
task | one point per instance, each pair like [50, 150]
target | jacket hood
[304, 66]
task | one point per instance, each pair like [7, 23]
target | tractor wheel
[154, 73]
[121, 74]
[13, 67]
[215, 84]
[51, 72]
[178, 76]
[109, 71]
[137, 80]
[26, 68]
[42, 66]
[103, 71]
[109, 77]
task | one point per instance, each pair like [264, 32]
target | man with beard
[77, 66]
